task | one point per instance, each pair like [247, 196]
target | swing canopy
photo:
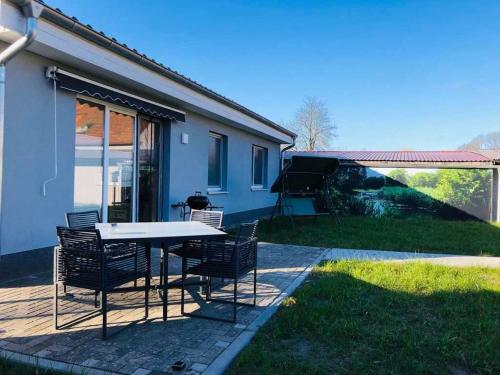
[304, 175]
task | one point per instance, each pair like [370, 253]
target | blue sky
[393, 74]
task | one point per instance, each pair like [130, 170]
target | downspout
[280, 194]
[31, 10]
[285, 149]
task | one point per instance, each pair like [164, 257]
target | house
[90, 123]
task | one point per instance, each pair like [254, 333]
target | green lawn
[413, 234]
[361, 317]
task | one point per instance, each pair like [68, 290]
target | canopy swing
[303, 187]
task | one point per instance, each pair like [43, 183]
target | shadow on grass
[370, 317]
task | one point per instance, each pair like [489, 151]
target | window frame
[262, 186]
[220, 186]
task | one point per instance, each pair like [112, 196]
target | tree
[424, 179]
[313, 125]
[347, 179]
[488, 141]
[398, 177]
[464, 188]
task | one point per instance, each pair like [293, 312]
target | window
[259, 167]
[216, 161]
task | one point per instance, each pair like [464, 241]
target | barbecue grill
[195, 202]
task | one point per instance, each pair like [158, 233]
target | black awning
[71, 82]
[304, 175]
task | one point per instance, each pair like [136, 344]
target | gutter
[31, 11]
[294, 137]
[57, 17]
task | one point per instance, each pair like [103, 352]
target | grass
[421, 234]
[362, 317]
[14, 368]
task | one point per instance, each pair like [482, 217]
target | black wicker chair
[212, 218]
[88, 220]
[208, 217]
[83, 220]
[83, 261]
[231, 259]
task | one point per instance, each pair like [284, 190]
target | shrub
[374, 183]
[407, 196]
[424, 180]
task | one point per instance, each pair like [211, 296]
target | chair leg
[183, 278]
[161, 267]
[255, 286]
[96, 301]
[146, 295]
[56, 311]
[135, 269]
[235, 299]
[164, 283]
[104, 306]
[208, 288]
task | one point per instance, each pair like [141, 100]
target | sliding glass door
[117, 163]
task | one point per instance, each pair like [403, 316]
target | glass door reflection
[89, 151]
[149, 144]
[120, 167]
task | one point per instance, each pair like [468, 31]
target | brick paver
[146, 347]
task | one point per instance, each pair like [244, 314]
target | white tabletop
[166, 230]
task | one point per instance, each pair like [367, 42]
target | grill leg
[104, 306]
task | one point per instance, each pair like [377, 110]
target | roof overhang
[83, 52]
[419, 165]
[351, 161]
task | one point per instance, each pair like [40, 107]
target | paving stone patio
[147, 347]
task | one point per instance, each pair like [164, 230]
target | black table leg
[164, 251]
[148, 278]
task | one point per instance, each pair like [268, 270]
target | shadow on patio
[26, 324]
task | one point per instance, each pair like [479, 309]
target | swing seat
[299, 206]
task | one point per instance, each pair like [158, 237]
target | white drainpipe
[31, 11]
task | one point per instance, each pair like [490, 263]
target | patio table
[161, 234]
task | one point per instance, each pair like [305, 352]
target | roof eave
[86, 32]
